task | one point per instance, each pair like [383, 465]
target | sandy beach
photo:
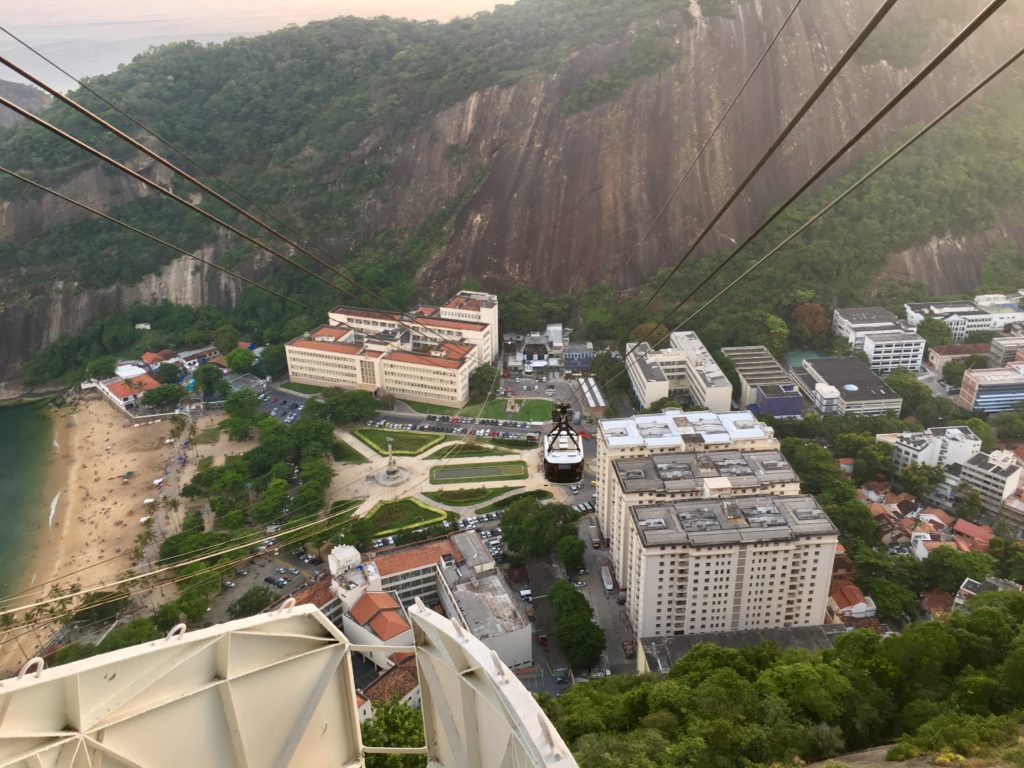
[95, 520]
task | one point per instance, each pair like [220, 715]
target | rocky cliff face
[567, 197]
[26, 96]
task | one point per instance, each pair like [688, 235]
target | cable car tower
[563, 449]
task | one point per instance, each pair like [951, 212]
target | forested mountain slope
[526, 147]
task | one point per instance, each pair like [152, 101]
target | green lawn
[538, 495]
[431, 408]
[467, 497]
[468, 473]
[346, 454]
[208, 436]
[302, 389]
[466, 451]
[392, 516]
[405, 443]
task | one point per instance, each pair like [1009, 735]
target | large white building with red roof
[425, 355]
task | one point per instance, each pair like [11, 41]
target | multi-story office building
[996, 476]
[1003, 350]
[386, 363]
[937, 447]
[988, 312]
[672, 431]
[992, 389]
[469, 317]
[889, 350]
[939, 357]
[717, 565]
[756, 367]
[888, 341]
[839, 385]
[686, 370]
[854, 322]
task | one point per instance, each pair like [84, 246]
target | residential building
[755, 367]
[939, 356]
[847, 601]
[720, 565]
[988, 312]
[399, 682]
[996, 476]
[888, 342]
[936, 447]
[672, 431]
[840, 385]
[1003, 350]
[686, 370]
[468, 318]
[126, 394]
[386, 362]
[992, 389]
[972, 588]
[666, 476]
[455, 574]
[377, 620]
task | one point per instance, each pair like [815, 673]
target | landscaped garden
[344, 453]
[393, 516]
[538, 495]
[467, 497]
[460, 450]
[405, 443]
[461, 473]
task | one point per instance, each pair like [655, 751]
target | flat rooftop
[867, 315]
[716, 471]
[636, 357]
[854, 380]
[992, 376]
[486, 602]
[946, 308]
[756, 365]
[701, 361]
[723, 522]
[675, 428]
[893, 334]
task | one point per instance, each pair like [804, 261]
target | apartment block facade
[937, 447]
[888, 342]
[718, 565]
[987, 312]
[996, 476]
[685, 370]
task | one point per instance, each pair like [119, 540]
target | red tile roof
[982, 533]
[318, 593]
[413, 558]
[134, 386]
[151, 358]
[942, 515]
[388, 624]
[938, 601]
[370, 604]
[396, 683]
[946, 350]
[325, 346]
[415, 358]
[845, 594]
[458, 325]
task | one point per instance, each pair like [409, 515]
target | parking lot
[282, 405]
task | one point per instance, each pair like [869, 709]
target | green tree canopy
[168, 373]
[101, 367]
[240, 360]
[935, 332]
[913, 391]
[570, 551]
[252, 602]
[165, 397]
[920, 479]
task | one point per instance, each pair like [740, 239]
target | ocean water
[26, 447]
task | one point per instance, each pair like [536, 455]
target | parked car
[579, 584]
[241, 572]
[293, 571]
[229, 585]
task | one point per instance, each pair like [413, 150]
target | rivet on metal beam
[35, 664]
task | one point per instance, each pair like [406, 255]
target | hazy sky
[95, 37]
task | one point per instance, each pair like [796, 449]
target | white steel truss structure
[271, 690]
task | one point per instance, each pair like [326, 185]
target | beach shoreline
[97, 511]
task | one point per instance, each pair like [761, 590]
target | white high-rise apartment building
[672, 431]
[888, 341]
[718, 565]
